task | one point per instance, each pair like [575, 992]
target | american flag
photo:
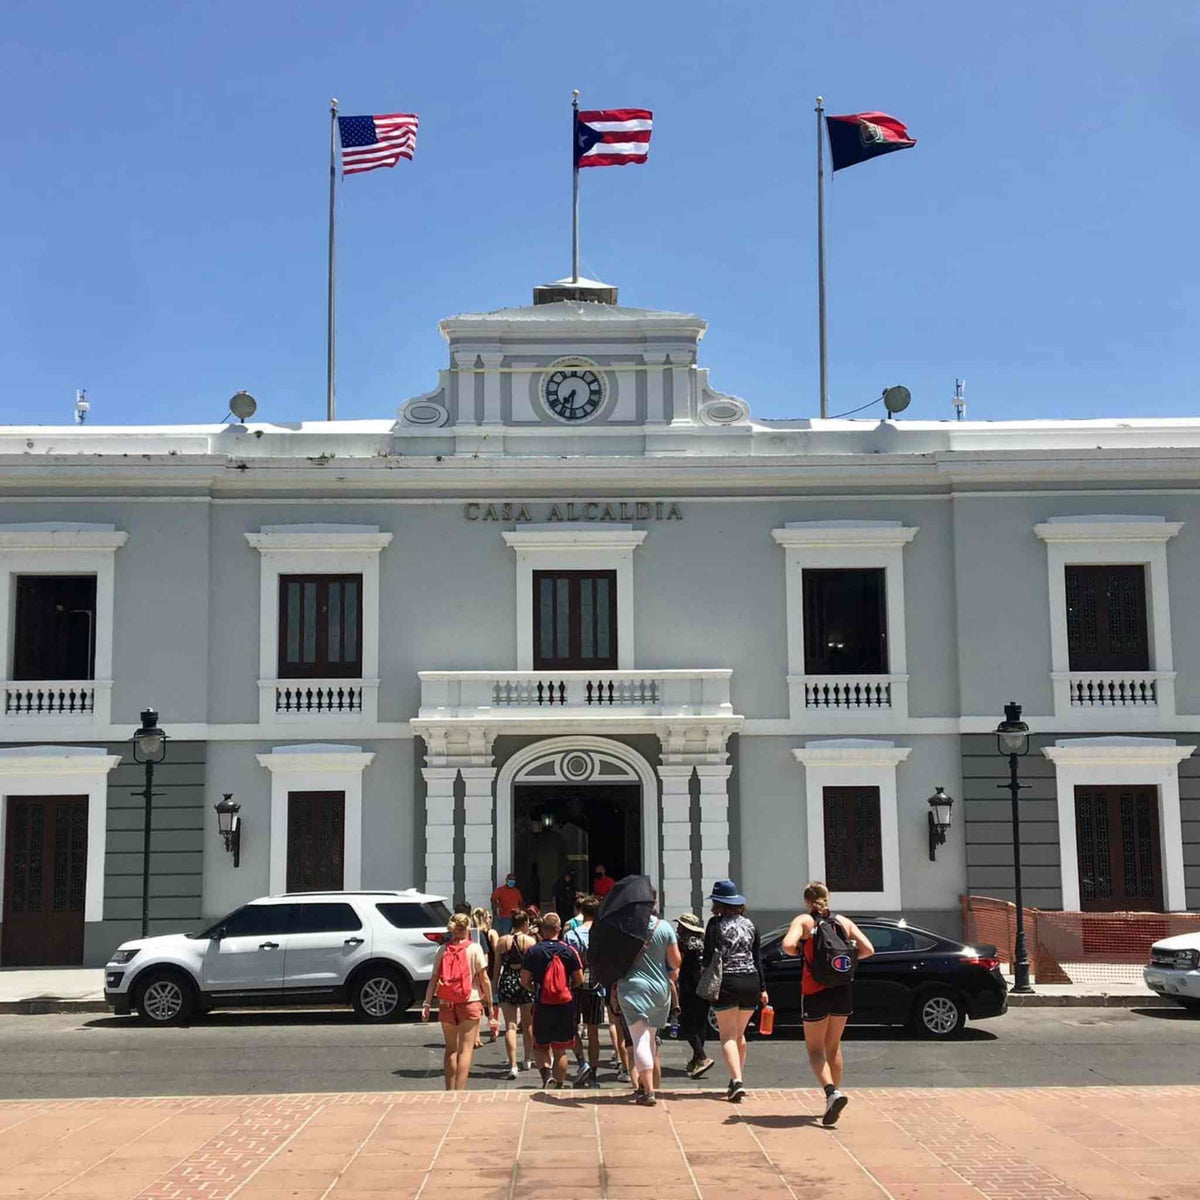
[381, 141]
[612, 137]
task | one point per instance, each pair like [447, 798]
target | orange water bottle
[766, 1021]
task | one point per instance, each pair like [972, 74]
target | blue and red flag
[856, 137]
[612, 137]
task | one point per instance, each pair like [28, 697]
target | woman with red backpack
[832, 946]
[464, 993]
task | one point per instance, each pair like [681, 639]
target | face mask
[510, 882]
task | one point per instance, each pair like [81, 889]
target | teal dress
[645, 993]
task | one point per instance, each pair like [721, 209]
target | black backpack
[834, 959]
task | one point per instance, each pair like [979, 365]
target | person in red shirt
[506, 899]
[602, 884]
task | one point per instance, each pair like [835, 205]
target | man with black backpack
[832, 946]
[552, 970]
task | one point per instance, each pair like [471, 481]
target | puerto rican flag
[612, 137]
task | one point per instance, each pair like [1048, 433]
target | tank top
[808, 985]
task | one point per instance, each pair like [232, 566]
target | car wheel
[938, 1015]
[165, 998]
[1188, 1002]
[380, 994]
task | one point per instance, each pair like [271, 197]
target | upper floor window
[845, 622]
[1106, 618]
[55, 627]
[575, 620]
[320, 623]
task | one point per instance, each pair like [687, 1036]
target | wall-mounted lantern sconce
[229, 824]
[940, 805]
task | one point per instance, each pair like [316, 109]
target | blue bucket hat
[725, 892]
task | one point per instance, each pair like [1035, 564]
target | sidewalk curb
[40, 1005]
[1101, 1000]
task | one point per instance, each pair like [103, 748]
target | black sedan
[916, 978]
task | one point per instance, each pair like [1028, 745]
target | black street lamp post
[1012, 740]
[149, 747]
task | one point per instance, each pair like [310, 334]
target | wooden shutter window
[320, 624]
[853, 839]
[1106, 618]
[574, 620]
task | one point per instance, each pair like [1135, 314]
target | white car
[371, 950]
[1174, 969]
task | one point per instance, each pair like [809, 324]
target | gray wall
[176, 848]
[389, 858]
[1189, 804]
[988, 821]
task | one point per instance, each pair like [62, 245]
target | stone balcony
[545, 700]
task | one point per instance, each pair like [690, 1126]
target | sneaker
[834, 1103]
[551, 1085]
[513, 1072]
[646, 1100]
[529, 1065]
[623, 1075]
[581, 1076]
[700, 1067]
[737, 1089]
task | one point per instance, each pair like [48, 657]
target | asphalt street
[60, 1056]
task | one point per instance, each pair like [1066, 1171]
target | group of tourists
[616, 967]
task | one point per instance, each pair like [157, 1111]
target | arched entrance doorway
[574, 801]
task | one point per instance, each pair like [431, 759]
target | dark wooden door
[316, 841]
[1116, 830]
[45, 878]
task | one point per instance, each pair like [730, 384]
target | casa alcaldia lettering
[574, 510]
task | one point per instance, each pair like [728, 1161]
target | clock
[573, 393]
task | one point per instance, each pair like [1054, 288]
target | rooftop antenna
[960, 398]
[81, 406]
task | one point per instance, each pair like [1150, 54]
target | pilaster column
[681, 394]
[677, 839]
[714, 824]
[464, 360]
[656, 396]
[491, 388]
[439, 830]
[478, 828]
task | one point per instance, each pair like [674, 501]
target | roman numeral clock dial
[573, 393]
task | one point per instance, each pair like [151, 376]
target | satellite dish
[896, 399]
[243, 405]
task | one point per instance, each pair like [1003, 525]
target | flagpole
[574, 187]
[329, 354]
[821, 255]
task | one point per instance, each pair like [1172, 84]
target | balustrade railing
[472, 693]
[318, 697]
[50, 698]
[1109, 689]
[846, 693]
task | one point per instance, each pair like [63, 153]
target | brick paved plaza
[952, 1144]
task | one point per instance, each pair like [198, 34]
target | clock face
[573, 393]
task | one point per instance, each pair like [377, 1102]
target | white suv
[371, 950]
[1174, 969]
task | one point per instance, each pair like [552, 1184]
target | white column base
[714, 824]
[478, 828]
[677, 840]
[439, 830]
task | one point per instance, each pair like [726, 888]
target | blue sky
[163, 212]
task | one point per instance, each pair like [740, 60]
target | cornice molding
[1107, 527]
[844, 533]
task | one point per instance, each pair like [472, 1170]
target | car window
[415, 916]
[888, 939]
[255, 920]
[324, 918]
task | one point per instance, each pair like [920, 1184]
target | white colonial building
[574, 605]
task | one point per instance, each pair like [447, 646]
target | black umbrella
[620, 929]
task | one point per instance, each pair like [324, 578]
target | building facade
[574, 605]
